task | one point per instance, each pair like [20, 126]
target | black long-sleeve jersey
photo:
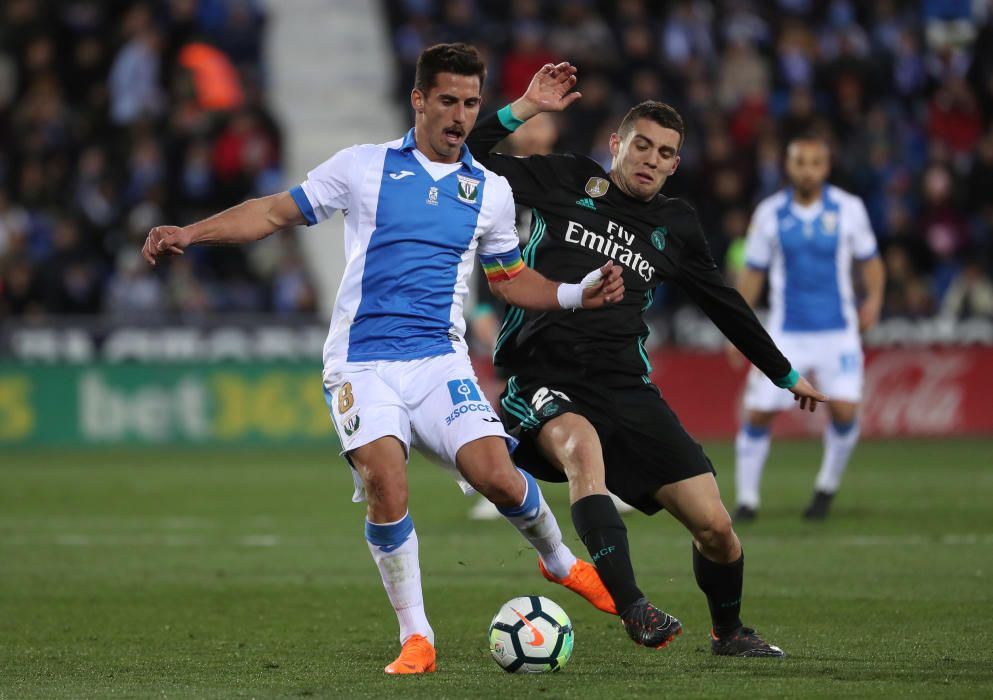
[580, 221]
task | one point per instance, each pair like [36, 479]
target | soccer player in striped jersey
[396, 369]
[805, 239]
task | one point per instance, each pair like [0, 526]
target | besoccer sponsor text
[467, 408]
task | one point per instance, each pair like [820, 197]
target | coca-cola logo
[914, 392]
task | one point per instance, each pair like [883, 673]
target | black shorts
[644, 445]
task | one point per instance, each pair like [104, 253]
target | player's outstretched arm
[750, 284]
[700, 278]
[804, 392]
[249, 221]
[533, 291]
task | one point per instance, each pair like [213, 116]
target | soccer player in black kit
[579, 397]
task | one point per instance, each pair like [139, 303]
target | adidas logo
[586, 202]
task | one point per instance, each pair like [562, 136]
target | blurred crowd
[116, 116]
[904, 88]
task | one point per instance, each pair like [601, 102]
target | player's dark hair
[459, 58]
[663, 114]
[811, 135]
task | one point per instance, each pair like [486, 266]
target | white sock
[394, 549]
[536, 522]
[751, 448]
[839, 441]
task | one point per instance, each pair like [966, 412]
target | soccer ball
[531, 635]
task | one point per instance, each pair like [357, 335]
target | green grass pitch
[235, 573]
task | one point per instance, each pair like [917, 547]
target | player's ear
[614, 144]
[675, 164]
[417, 100]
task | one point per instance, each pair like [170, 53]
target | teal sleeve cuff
[483, 310]
[507, 118]
[789, 380]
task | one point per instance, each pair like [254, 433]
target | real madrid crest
[597, 186]
[658, 237]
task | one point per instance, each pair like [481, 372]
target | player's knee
[574, 443]
[716, 534]
[843, 412]
[383, 494]
[760, 419]
[584, 456]
[505, 488]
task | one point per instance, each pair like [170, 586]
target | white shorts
[831, 361]
[433, 404]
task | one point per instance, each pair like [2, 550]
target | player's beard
[807, 188]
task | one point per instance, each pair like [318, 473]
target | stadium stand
[120, 115]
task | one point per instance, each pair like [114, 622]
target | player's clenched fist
[603, 286]
[164, 240]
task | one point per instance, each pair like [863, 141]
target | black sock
[722, 583]
[601, 530]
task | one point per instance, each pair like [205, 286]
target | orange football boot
[584, 580]
[417, 656]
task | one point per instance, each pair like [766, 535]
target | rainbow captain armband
[503, 266]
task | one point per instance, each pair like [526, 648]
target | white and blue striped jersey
[412, 229]
[808, 252]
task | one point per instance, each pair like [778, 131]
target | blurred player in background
[805, 238]
[396, 368]
[580, 397]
